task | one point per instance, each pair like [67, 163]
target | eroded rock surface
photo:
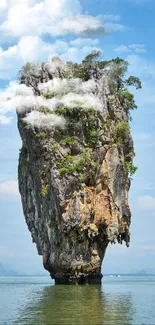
[74, 184]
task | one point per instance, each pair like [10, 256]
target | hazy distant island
[76, 161]
[4, 272]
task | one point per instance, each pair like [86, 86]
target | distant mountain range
[142, 272]
[135, 273]
[4, 272]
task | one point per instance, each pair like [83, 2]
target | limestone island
[76, 162]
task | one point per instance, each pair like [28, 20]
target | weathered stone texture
[73, 223]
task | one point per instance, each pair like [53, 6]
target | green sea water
[36, 301]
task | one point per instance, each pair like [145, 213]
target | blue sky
[34, 30]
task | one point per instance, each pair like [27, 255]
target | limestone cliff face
[74, 184]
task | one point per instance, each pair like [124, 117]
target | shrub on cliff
[120, 132]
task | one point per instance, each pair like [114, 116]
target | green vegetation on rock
[127, 100]
[120, 133]
[41, 134]
[69, 140]
[25, 72]
[80, 166]
[130, 168]
[50, 95]
[54, 149]
[44, 190]
[45, 110]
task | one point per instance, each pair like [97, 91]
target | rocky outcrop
[74, 180]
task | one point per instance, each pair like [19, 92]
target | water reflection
[71, 305]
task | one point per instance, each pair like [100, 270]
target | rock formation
[74, 172]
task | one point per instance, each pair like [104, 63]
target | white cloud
[84, 101]
[9, 189]
[55, 18]
[15, 89]
[20, 97]
[76, 55]
[3, 4]
[112, 23]
[29, 48]
[5, 119]
[136, 48]
[65, 86]
[81, 42]
[12, 97]
[147, 203]
[114, 27]
[139, 48]
[45, 122]
[111, 18]
[7, 98]
[33, 49]
[123, 49]
[10, 3]
[142, 67]
[84, 25]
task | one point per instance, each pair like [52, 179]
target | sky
[35, 30]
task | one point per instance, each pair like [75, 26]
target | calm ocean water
[36, 301]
